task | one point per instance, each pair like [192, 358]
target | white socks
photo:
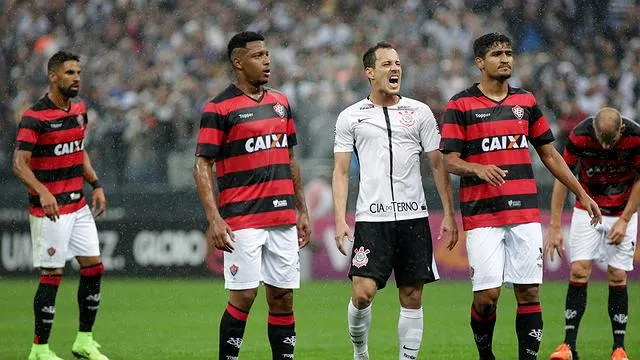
[359, 323]
[410, 333]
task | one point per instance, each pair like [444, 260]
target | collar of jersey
[374, 104]
[475, 91]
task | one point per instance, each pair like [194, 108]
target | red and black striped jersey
[498, 133]
[607, 175]
[250, 142]
[55, 138]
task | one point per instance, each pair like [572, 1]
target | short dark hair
[240, 40]
[482, 44]
[369, 57]
[59, 58]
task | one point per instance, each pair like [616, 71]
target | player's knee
[280, 300]
[243, 299]
[51, 271]
[617, 277]
[411, 297]
[527, 293]
[485, 310]
[362, 298]
[580, 271]
[487, 297]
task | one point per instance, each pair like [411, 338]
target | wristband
[95, 184]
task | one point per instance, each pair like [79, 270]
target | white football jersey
[388, 142]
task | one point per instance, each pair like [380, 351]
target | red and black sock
[482, 326]
[282, 335]
[529, 330]
[89, 295]
[232, 327]
[575, 306]
[44, 307]
[618, 313]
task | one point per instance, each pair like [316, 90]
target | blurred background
[150, 65]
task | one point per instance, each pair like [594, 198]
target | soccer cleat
[42, 352]
[619, 354]
[563, 352]
[361, 356]
[86, 348]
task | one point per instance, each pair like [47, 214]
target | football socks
[44, 307]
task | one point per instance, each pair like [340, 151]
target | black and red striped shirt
[498, 133]
[55, 138]
[250, 142]
[607, 175]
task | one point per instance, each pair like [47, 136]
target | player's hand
[342, 232]
[49, 205]
[449, 231]
[304, 230]
[491, 174]
[592, 208]
[98, 201]
[618, 231]
[553, 242]
[220, 235]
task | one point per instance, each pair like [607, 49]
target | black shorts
[402, 246]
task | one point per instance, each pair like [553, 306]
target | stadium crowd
[150, 65]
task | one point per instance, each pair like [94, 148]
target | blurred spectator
[150, 65]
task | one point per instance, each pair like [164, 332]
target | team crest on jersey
[518, 111]
[233, 269]
[406, 118]
[280, 110]
[80, 119]
[360, 258]
[51, 251]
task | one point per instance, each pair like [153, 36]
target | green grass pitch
[178, 319]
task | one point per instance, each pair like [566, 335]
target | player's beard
[499, 77]
[259, 82]
[68, 92]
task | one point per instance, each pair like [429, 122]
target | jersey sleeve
[292, 139]
[28, 131]
[344, 139]
[429, 132]
[211, 134]
[539, 130]
[453, 129]
[570, 154]
[636, 159]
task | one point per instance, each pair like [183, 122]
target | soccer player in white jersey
[389, 133]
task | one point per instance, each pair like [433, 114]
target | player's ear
[479, 62]
[369, 72]
[52, 76]
[237, 63]
[236, 59]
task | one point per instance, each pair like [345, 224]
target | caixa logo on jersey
[266, 142]
[394, 206]
[505, 142]
[68, 147]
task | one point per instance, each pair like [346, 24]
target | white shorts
[267, 254]
[53, 243]
[506, 254]
[587, 242]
